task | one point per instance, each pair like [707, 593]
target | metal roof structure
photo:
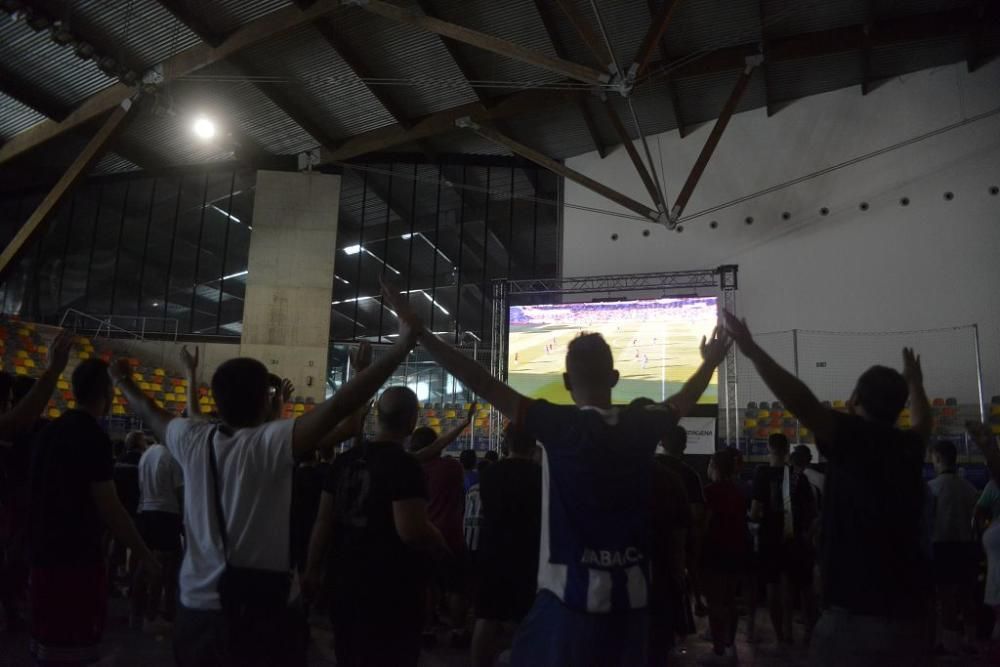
[320, 73]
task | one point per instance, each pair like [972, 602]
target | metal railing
[119, 325]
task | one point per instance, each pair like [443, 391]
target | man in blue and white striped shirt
[593, 574]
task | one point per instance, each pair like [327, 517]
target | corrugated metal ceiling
[305, 74]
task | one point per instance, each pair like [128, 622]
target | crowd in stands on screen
[592, 541]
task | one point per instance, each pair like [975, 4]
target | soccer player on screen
[593, 574]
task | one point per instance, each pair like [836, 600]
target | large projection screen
[654, 343]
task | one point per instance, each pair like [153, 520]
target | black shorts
[451, 575]
[955, 562]
[502, 597]
[796, 559]
[161, 531]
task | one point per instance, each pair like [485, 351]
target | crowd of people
[592, 541]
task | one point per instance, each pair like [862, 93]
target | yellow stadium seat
[995, 409]
[203, 400]
[145, 386]
[159, 372]
[117, 410]
[159, 402]
[24, 331]
[22, 354]
[450, 414]
[837, 405]
[137, 377]
[53, 413]
[43, 349]
[20, 370]
[63, 385]
[29, 363]
[83, 356]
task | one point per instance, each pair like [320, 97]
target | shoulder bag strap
[219, 514]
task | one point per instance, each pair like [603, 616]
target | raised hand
[472, 413]
[713, 350]
[410, 326]
[59, 351]
[912, 371]
[287, 389]
[361, 356]
[738, 330]
[188, 360]
[120, 371]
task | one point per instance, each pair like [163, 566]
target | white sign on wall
[701, 434]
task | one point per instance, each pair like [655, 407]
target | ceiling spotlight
[352, 250]
[406, 237]
[203, 128]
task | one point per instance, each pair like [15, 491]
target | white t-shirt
[255, 472]
[160, 479]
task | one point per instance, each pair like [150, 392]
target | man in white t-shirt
[255, 462]
[161, 485]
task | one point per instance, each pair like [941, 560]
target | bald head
[397, 411]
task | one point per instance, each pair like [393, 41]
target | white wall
[934, 263]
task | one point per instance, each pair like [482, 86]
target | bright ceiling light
[203, 128]
[406, 237]
[352, 250]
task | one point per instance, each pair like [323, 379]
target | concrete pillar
[286, 317]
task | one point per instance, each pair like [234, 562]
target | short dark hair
[491, 456]
[518, 440]
[778, 442]
[589, 359]
[422, 437]
[20, 387]
[468, 459]
[947, 452]
[240, 387]
[802, 456]
[675, 440]
[90, 380]
[398, 409]
[725, 463]
[882, 392]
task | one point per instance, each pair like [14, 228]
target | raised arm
[921, 417]
[790, 390]
[114, 516]
[445, 439]
[152, 415]
[319, 542]
[190, 363]
[23, 415]
[712, 353]
[468, 372]
[311, 427]
[984, 439]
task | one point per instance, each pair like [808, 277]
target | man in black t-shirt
[510, 494]
[73, 500]
[875, 570]
[674, 443]
[374, 506]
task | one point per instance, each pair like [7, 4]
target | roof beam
[180, 64]
[90, 154]
[633, 154]
[713, 140]
[653, 35]
[973, 57]
[866, 50]
[191, 17]
[590, 38]
[463, 66]
[484, 41]
[560, 169]
[675, 101]
[549, 21]
[443, 122]
[768, 102]
[360, 69]
[16, 88]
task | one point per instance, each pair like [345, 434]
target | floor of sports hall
[127, 647]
